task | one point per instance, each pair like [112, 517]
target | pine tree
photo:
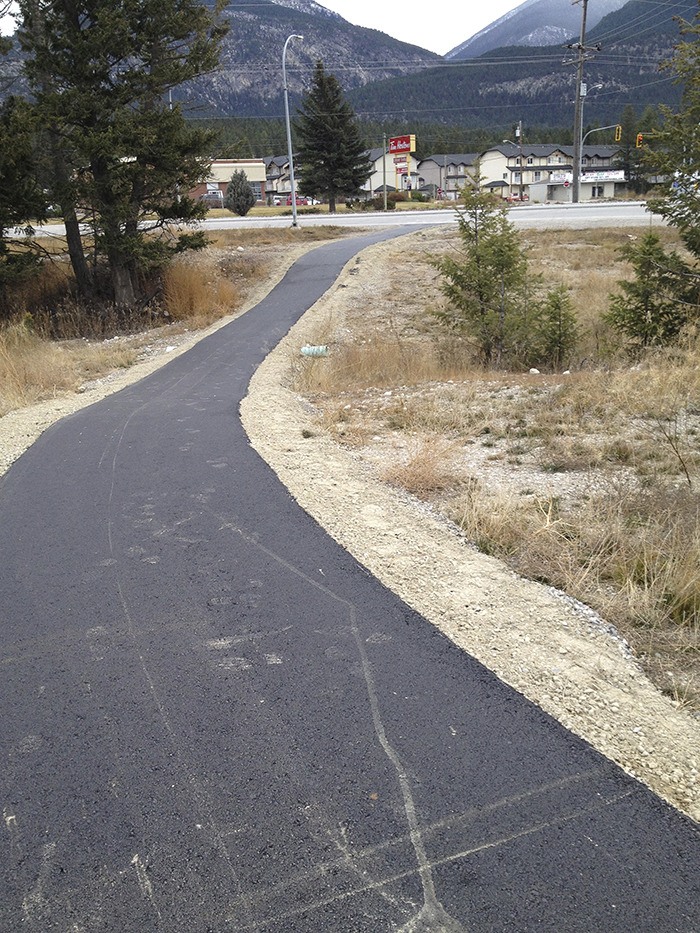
[332, 158]
[652, 308]
[120, 156]
[631, 156]
[22, 199]
[556, 331]
[239, 195]
[487, 286]
[674, 152]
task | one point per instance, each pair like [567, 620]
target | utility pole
[582, 55]
[290, 151]
[386, 197]
[578, 105]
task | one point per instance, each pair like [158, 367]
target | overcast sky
[439, 25]
[448, 24]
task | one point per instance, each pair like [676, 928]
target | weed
[429, 468]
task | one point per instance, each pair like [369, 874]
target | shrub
[653, 308]
[486, 285]
[239, 195]
[556, 333]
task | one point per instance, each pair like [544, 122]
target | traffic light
[640, 140]
[618, 133]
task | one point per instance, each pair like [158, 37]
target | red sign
[398, 144]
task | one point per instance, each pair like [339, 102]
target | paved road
[525, 216]
[214, 719]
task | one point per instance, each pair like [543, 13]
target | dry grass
[198, 293]
[375, 361]
[33, 368]
[430, 467]
[634, 556]
[588, 481]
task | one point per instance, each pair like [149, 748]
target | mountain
[537, 85]
[534, 23]
[249, 80]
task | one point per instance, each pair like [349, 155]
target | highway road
[525, 216]
[215, 720]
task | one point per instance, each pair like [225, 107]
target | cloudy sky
[448, 24]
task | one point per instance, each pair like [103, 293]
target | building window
[257, 189]
[530, 160]
[538, 176]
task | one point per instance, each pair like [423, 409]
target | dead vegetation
[589, 480]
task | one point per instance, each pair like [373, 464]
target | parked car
[213, 198]
[300, 201]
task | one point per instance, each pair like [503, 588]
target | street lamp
[289, 129]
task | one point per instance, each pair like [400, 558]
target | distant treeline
[243, 138]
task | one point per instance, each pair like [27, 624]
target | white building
[545, 172]
[219, 175]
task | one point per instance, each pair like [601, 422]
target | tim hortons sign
[399, 144]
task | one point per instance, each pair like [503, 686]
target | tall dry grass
[33, 368]
[377, 360]
[197, 292]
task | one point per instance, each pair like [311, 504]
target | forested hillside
[536, 85]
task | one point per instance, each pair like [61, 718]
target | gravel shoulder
[557, 653]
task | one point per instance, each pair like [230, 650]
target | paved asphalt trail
[214, 719]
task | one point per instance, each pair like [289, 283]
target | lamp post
[290, 154]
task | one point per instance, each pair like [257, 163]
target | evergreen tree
[654, 307]
[120, 157]
[556, 331]
[631, 156]
[487, 285]
[22, 199]
[674, 154]
[332, 160]
[239, 195]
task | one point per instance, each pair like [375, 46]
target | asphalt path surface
[215, 719]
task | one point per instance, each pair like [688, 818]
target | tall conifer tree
[332, 157]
